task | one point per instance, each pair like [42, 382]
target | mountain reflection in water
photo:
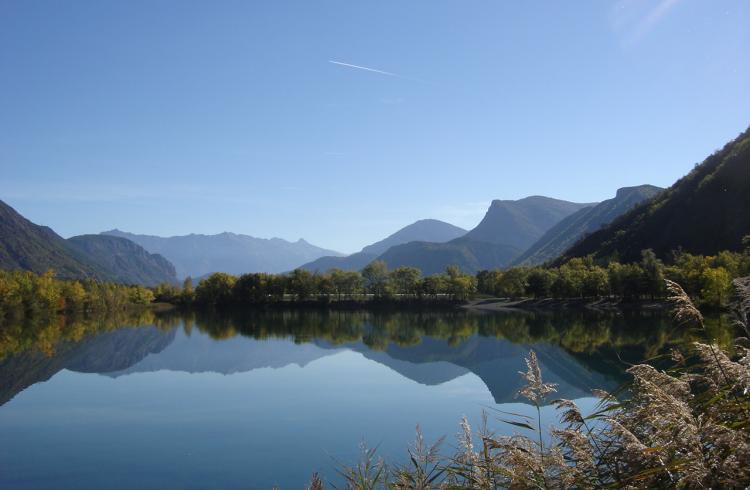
[322, 378]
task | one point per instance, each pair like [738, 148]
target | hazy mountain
[127, 262]
[354, 262]
[704, 212]
[520, 223]
[587, 220]
[433, 258]
[506, 230]
[27, 246]
[426, 230]
[198, 255]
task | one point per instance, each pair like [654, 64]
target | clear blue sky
[171, 117]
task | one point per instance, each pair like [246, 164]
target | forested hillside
[27, 246]
[126, 262]
[704, 212]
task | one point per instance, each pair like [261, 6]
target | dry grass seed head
[684, 311]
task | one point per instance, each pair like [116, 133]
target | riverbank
[501, 304]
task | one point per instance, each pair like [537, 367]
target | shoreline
[529, 304]
[477, 305]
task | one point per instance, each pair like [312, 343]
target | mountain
[433, 258]
[354, 262]
[704, 212]
[583, 222]
[27, 246]
[520, 223]
[127, 262]
[198, 255]
[506, 230]
[425, 230]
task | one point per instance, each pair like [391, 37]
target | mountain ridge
[584, 221]
[704, 212]
[506, 230]
[196, 255]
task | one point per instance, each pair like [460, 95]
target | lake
[257, 399]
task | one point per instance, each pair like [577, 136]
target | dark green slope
[433, 258]
[705, 212]
[568, 231]
[27, 246]
[126, 261]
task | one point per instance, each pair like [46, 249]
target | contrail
[365, 68]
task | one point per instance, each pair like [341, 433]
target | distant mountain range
[583, 222]
[198, 255]
[431, 230]
[27, 246]
[704, 212]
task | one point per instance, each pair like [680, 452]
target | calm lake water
[257, 399]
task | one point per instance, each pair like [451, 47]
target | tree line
[374, 283]
[706, 278]
[28, 293]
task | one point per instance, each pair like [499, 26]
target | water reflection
[250, 399]
[579, 350]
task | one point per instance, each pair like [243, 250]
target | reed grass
[684, 427]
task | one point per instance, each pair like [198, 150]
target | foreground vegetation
[708, 278]
[684, 427]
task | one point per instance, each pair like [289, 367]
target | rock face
[705, 212]
[583, 222]
[520, 223]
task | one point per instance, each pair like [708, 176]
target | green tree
[539, 282]
[653, 274]
[215, 290]
[405, 280]
[376, 278]
[512, 283]
[717, 286]
[460, 286]
[302, 284]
